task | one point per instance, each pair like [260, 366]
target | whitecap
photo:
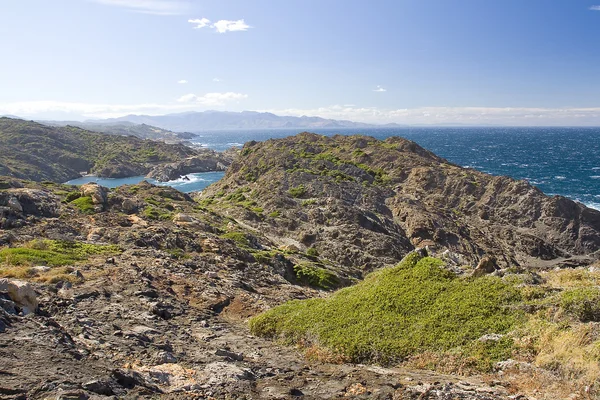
[595, 176]
[560, 178]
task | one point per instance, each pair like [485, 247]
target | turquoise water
[195, 183]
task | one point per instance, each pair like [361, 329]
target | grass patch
[297, 191]
[53, 253]
[156, 214]
[85, 204]
[396, 312]
[239, 238]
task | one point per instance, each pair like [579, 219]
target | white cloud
[224, 25]
[379, 89]
[156, 7]
[200, 23]
[182, 81]
[217, 80]
[212, 99]
[595, 8]
[221, 26]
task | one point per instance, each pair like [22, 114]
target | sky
[509, 62]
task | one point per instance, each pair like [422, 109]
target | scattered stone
[165, 357]
[229, 354]
[21, 293]
[41, 268]
[99, 387]
[77, 274]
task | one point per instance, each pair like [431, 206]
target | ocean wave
[560, 177]
[595, 176]
[595, 206]
[184, 180]
[235, 144]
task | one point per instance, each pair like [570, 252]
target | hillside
[215, 120]
[37, 152]
[312, 255]
[125, 128]
[365, 203]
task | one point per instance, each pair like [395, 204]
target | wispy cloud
[200, 23]
[221, 26]
[212, 99]
[595, 8]
[182, 81]
[217, 80]
[156, 7]
[380, 89]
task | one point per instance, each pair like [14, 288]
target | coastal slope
[33, 151]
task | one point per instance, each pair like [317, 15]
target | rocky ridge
[365, 203]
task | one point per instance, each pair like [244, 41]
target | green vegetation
[53, 253]
[72, 196]
[582, 303]
[313, 275]
[312, 252]
[297, 191]
[85, 204]
[397, 312]
[156, 213]
[239, 238]
[275, 214]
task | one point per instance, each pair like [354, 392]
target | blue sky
[510, 62]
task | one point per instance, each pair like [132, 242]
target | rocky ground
[152, 321]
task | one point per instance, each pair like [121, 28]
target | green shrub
[156, 214]
[238, 237]
[72, 196]
[85, 204]
[582, 303]
[312, 275]
[275, 214]
[312, 252]
[396, 312]
[297, 191]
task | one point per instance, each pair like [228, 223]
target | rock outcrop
[204, 162]
[365, 203]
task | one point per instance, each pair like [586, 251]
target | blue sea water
[563, 161]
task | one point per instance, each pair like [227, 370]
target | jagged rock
[96, 192]
[99, 387]
[21, 293]
[229, 354]
[129, 206]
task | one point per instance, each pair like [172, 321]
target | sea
[564, 161]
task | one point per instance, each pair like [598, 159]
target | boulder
[487, 265]
[99, 194]
[21, 293]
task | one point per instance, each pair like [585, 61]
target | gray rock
[229, 354]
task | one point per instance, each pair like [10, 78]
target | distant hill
[215, 120]
[125, 128]
[30, 150]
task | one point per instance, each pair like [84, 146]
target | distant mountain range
[216, 120]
